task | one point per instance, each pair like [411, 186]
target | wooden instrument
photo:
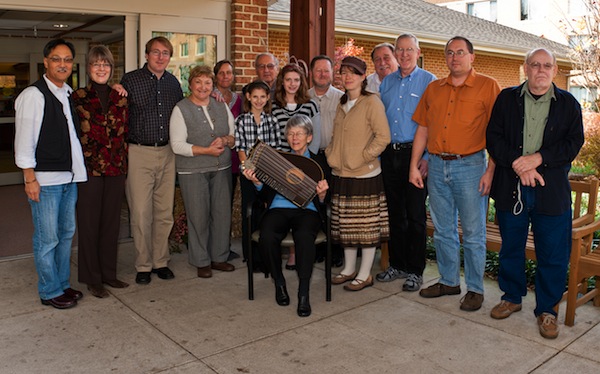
[293, 176]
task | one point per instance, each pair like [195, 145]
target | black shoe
[143, 277]
[60, 302]
[281, 296]
[290, 267]
[320, 258]
[73, 294]
[337, 262]
[303, 306]
[232, 256]
[164, 273]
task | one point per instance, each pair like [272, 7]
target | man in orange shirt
[453, 115]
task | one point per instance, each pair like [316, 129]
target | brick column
[249, 36]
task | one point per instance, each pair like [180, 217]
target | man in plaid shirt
[152, 93]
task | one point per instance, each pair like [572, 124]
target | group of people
[385, 143]
[459, 139]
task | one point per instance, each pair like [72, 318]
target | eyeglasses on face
[459, 53]
[58, 60]
[407, 50]
[538, 66]
[98, 65]
[156, 53]
[299, 134]
[266, 66]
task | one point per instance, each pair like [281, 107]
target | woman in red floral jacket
[103, 115]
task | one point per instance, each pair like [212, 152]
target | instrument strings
[272, 169]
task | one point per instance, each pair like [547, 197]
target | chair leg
[328, 262]
[572, 297]
[384, 260]
[250, 266]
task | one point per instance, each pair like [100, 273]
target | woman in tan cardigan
[359, 208]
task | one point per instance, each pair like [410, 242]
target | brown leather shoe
[504, 309]
[60, 302]
[471, 301]
[204, 272]
[343, 278]
[98, 290]
[73, 294]
[359, 285]
[223, 266]
[438, 290]
[115, 283]
[548, 325]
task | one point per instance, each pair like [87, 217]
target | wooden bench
[582, 215]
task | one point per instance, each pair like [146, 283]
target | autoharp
[293, 176]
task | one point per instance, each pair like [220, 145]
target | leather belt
[159, 144]
[399, 146]
[450, 156]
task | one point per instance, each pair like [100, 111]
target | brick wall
[505, 70]
[249, 36]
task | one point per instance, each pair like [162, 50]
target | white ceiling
[93, 27]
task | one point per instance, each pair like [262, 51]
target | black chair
[288, 241]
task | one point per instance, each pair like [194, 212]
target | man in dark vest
[48, 151]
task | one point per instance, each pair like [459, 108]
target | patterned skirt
[359, 214]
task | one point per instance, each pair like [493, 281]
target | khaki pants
[150, 194]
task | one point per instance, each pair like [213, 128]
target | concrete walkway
[193, 325]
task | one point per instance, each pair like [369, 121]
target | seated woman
[282, 215]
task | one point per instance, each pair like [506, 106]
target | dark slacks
[98, 223]
[275, 225]
[406, 209]
[552, 237]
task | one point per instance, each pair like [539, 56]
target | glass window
[586, 97]
[533, 9]
[183, 48]
[483, 9]
[201, 45]
[524, 10]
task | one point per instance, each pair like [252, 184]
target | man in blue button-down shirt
[400, 93]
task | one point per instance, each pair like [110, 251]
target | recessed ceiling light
[60, 26]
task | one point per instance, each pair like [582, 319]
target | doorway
[23, 35]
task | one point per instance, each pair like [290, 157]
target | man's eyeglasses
[156, 53]
[98, 65]
[538, 66]
[407, 50]
[459, 53]
[265, 66]
[58, 60]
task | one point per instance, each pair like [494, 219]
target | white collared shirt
[29, 108]
[327, 107]
[373, 83]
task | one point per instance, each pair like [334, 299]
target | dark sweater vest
[53, 151]
[199, 133]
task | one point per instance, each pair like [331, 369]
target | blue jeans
[454, 191]
[552, 238]
[53, 229]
